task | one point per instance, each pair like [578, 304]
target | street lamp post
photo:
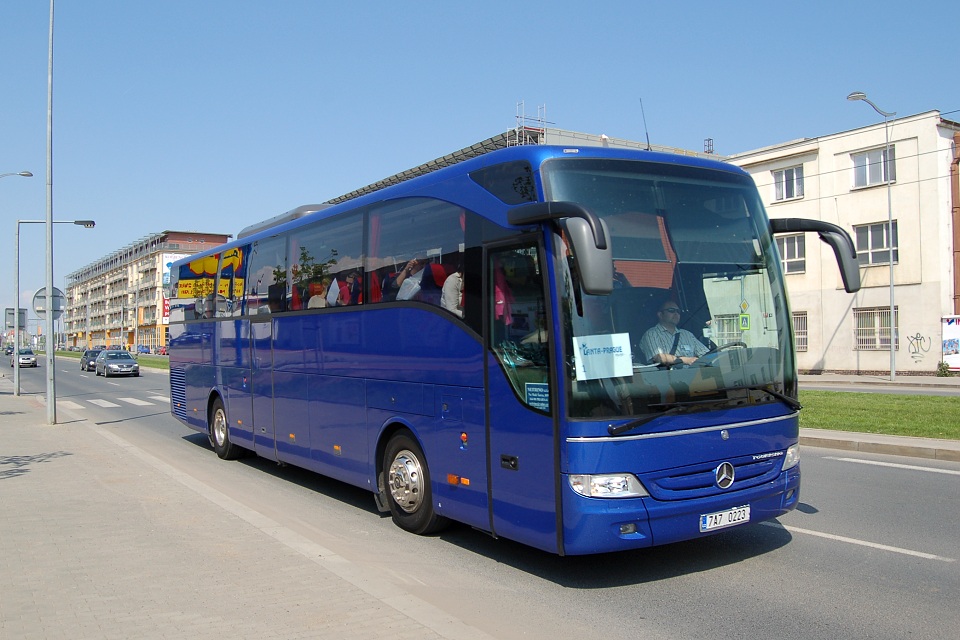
[22, 174]
[860, 95]
[51, 390]
[16, 308]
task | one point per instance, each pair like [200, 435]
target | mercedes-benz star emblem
[725, 475]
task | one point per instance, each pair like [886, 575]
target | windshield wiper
[782, 397]
[673, 409]
[679, 407]
[639, 422]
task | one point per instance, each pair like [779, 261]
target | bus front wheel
[219, 436]
[407, 486]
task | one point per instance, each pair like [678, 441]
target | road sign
[8, 318]
[40, 303]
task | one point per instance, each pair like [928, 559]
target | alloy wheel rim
[405, 480]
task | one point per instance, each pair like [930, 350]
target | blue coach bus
[472, 345]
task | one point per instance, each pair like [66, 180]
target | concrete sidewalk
[101, 540]
[880, 381]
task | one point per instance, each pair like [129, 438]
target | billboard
[950, 330]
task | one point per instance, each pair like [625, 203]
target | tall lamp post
[22, 174]
[16, 308]
[51, 343]
[860, 95]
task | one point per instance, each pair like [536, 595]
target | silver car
[116, 362]
[26, 357]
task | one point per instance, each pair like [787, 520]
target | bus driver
[664, 343]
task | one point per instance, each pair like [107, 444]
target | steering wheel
[729, 345]
[718, 349]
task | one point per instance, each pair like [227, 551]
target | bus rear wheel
[219, 435]
[407, 486]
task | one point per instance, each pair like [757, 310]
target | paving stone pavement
[98, 543]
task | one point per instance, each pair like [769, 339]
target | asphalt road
[871, 552]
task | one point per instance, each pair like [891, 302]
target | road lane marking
[136, 401]
[896, 465]
[69, 404]
[106, 404]
[862, 543]
[160, 398]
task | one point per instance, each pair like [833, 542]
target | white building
[120, 299]
[841, 178]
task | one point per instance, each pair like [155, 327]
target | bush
[943, 370]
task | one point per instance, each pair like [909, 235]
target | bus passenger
[451, 295]
[351, 289]
[318, 294]
[409, 279]
[664, 343]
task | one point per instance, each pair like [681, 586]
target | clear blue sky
[210, 115]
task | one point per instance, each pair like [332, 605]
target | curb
[947, 450]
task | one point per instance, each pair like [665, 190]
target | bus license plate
[728, 518]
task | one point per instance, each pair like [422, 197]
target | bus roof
[489, 152]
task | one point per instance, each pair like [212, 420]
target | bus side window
[265, 289]
[517, 315]
[431, 232]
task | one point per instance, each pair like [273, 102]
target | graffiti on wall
[918, 346]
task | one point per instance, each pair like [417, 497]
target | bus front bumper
[598, 525]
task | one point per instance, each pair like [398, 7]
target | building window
[727, 329]
[800, 330]
[870, 167]
[872, 328]
[789, 183]
[873, 243]
[793, 253]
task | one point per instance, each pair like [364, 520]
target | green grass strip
[890, 414]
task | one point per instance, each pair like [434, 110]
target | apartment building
[848, 178]
[120, 300]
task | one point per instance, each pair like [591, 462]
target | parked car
[162, 350]
[26, 358]
[116, 362]
[88, 358]
[142, 348]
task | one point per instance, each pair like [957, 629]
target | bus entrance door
[522, 462]
[261, 387]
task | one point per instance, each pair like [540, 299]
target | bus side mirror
[838, 239]
[588, 236]
[595, 265]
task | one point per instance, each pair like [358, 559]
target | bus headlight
[791, 458]
[614, 485]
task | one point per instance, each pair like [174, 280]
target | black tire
[220, 433]
[406, 480]
[96, 371]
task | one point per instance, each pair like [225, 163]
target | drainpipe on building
[955, 209]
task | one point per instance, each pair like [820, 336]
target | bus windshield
[697, 318]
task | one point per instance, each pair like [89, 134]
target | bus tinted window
[512, 182]
[426, 235]
[233, 270]
[326, 264]
[266, 291]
